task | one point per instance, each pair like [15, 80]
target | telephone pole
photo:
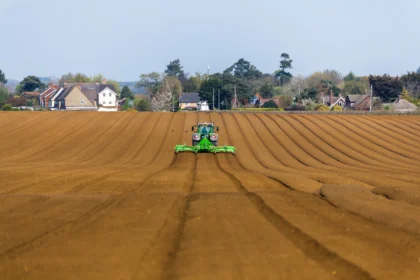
[371, 96]
[213, 98]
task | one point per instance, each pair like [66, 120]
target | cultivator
[205, 140]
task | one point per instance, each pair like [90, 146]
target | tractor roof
[205, 123]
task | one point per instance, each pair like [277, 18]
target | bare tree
[162, 101]
[413, 87]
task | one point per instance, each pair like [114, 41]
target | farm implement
[205, 140]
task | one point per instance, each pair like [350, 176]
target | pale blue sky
[122, 39]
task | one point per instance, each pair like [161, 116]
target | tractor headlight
[213, 137]
[196, 136]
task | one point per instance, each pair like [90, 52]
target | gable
[107, 90]
[338, 101]
[75, 97]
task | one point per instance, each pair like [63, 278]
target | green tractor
[205, 140]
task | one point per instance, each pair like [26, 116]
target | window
[110, 94]
[104, 94]
[110, 102]
[103, 102]
[82, 102]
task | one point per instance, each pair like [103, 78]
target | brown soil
[103, 196]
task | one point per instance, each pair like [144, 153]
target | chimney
[331, 98]
[103, 81]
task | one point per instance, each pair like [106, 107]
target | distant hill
[47, 80]
[11, 84]
[132, 87]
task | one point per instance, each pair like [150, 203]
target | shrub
[7, 107]
[322, 108]
[270, 104]
[17, 101]
[337, 108]
[142, 104]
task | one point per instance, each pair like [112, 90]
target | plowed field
[103, 196]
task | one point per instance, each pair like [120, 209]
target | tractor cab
[205, 128]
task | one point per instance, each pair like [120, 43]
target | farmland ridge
[87, 195]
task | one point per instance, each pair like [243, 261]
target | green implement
[205, 140]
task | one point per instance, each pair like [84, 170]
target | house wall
[107, 98]
[184, 105]
[77, 99]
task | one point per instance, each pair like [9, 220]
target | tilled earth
[87, 195]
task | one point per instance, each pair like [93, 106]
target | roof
[336, 99]
[31, 93]
[47, 91]
[361, 99]
[50, 93]
[64, 93]
[192, 97]
[91, 90]
[353, 97]
[56, 94]
[403, 104]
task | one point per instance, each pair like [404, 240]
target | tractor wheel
[195, 143]
[216, 143]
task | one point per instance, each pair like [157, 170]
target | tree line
[164, 89]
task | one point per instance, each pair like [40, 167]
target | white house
[107, 99]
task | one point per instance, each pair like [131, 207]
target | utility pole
[213, 99]
[219, 99]
[371, 96]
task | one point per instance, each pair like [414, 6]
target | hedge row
[258, 109]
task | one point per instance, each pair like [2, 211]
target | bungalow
[403, 106]
[189, 100]
[360, 102]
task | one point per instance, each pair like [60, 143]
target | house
[51, 100]
[189, 100]
[403, 106]
[332, 100]
[85, 96]
[351, 100]
[72, 98]
[107, 99]
[360, 101]
[46, 95]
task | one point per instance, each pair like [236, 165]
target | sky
[125, 38]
